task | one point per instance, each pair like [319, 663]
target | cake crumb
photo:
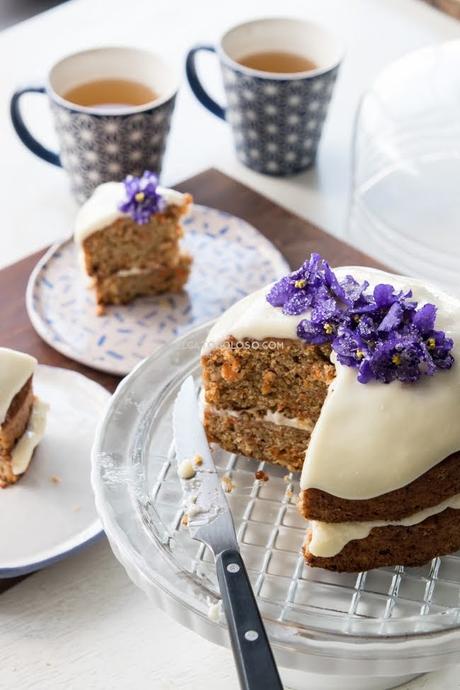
[228, 484]
[186, 470]
[76, 509]
[287, 478]
[214, 610]
[262, 476]
[198, 460]
[185, 520]
[289, 493]
[54, 479]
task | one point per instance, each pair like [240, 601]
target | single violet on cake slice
[142, 199]
[383, 334]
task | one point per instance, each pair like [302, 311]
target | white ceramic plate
[230, 259]
[50, 512]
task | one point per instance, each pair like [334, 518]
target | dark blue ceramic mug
[276, 118]
[102, 143]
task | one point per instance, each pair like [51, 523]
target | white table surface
[81, 624]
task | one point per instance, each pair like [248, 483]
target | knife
[210, 521]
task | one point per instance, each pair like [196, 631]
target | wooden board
[293, 236]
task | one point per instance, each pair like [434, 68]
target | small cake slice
[128, 234]
[351, 376]
[22, 416]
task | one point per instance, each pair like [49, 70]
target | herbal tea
[277, 61]
[110, 93]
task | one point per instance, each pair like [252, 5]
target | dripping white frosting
[22, 452]
[101, 209]
[329, 538]
[16, 368]
[370, 438]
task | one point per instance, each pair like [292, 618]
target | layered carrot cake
[22, 415]
[128, 234]
[350, 376]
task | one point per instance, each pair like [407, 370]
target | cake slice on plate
[350, 375]
[128, 235]
[22, 415]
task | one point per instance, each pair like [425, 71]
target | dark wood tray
[293, 236]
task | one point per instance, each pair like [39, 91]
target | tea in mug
[278, 62]
[110, 93]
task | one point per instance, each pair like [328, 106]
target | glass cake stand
[374, 629]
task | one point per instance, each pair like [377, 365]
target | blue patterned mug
[102, 143]
[276, 118]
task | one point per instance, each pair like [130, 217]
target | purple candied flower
[142, 199]
[298, 303]
[439, 346]
[392, 319]
[294, 293]
[314, 333]
[288, 287]
[354, 291]
[424, 318]
[381, 334]
[331, 282]
[385, 296]
[364, 325]
[350, 348]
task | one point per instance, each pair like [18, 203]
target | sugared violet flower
[383, 334]
[142, 199]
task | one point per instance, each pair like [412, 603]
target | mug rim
[281, 76]
[123, 109]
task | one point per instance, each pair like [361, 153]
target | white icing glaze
[101, 209]
[370, 438]
[276, 418]
[135, 271]
[24, 448]
[252, 317]
[295, 422]
[16, 368]
[329, 538]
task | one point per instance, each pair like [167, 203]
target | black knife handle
[251, 648]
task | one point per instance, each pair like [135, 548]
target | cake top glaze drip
[16, 368]
[373, 438]
[103, 208]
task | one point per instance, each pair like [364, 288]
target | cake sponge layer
[122, 288]
[16, 418]
[277, 375]
[410, 546]
[255, 438]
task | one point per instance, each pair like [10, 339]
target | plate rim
[61, 346]
[95, 529]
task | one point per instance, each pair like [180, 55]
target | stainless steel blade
[209, 517]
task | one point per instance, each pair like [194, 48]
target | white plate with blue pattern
[230, 260]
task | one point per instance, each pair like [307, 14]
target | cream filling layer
[22, 452]
[16, 368]
[101, 209]
[329, 538]
[370, 438]
[276, 418]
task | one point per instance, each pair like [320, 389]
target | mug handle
[22, 131]
[195, 83]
